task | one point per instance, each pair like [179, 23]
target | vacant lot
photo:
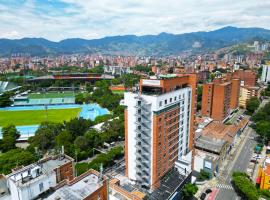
[31, 117]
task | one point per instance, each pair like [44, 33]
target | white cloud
[99, 18]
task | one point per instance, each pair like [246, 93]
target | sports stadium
[31, 109]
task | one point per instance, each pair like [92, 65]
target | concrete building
[265, 78]
[263, 178]
[247, 77]
[248, 92]
[53, 178]
[220, 98]
[159, 123]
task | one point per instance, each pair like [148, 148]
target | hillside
[162, 44]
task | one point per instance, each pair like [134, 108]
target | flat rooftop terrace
[77, 191]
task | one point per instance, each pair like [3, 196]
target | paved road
[240, 163]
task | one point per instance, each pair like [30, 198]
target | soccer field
[31, 117]
[51, 95]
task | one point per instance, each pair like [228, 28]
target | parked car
[203, 196]
[208, 191]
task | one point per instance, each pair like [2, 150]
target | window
[170, 99]
[160, 103]
[166, 102]
[139, 103]
[174, 98]
[41, 187]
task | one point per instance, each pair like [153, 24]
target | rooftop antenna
[63, 150]
[100, 172]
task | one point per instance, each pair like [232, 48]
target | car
[208, 191]
[203, 196]
[254, 160]
[257, 156]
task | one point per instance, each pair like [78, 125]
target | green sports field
[31, 117]
[51, 95]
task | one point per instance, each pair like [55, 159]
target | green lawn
[51, 95]
[31, 117]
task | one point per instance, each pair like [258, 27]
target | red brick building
[219, 98]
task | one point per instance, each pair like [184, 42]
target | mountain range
[161, 44]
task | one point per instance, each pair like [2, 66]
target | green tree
[252, 105]
[263, 129]
[199, 97]
[244, 186]
[44, 138]
[78, 126]
[5, 99]
[189, 191]
[15, 158]
[81, 143]
[79, 98]
[10, 135]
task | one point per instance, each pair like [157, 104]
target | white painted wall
[130, 101]
[31, 189]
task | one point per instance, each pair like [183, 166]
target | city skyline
[61, 19]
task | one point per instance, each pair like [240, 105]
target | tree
[81, 143]
[244, 186]
[10, 135]
[199, 97]
[189, 190]
[263, 129]
[252, 104]
[79, 98]
[14, 158]
[44, 138]
[5, 99]
[78, 126]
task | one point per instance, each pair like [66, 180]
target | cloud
[60, 19]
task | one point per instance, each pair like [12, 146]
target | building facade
[159, 123]
[220, 98]
[265, 78]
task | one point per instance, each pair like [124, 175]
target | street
[239, 163]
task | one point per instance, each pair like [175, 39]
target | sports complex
[29, 110]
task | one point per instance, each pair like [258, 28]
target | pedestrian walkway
[223, 186]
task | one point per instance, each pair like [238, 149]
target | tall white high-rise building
[265, 78]
[159, 128]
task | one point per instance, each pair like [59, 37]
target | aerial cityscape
[134, 100]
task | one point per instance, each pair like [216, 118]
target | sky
[90, 19]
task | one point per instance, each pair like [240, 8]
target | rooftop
[209, 143]
[22, 176]
[169, 184]
[78, 190]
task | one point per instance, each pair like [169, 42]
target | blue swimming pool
[88, 111]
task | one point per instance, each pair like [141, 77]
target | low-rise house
[53, 178]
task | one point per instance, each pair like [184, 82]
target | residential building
[220, 98]
[53, 178]
[213, 142]
[159, 123]
[263, 179]
[247, 77]
[265, 78]
[248, 92]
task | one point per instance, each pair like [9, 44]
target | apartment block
[219, 98]
[159, 127]
[247, 93]
[265, 78]
[247, 77]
